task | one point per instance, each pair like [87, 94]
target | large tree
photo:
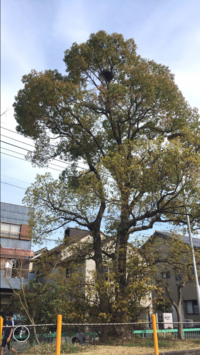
[124, 119]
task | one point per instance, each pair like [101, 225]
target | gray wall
[188, 291]
[15, 281]
[15, 243]
[13, 213]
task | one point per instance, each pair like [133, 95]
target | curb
[180, 352]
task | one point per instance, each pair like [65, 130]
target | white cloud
[188, 83]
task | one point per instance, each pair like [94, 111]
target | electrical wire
[3, 135]
[14, 145]
[17, 146]
[20, 134]
[26, 182]
[31, 144]
[81, 168]
[13, 132]
[13, 151]
[29, 162]
[6, 183]
[51, 240]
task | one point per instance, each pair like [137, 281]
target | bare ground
[128, 350]
[123, 350]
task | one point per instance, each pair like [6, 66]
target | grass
[162, 343]
[49, 349]
[66, 348]
[149, 343]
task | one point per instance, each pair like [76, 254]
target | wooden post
[58, 334]
[155, 337]
[1, 327]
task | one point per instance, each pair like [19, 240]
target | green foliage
[163, 304]
[124, 120]
[45, 302]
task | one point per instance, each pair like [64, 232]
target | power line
[20, 134]
[64, 162]
[3, 135]
[14, 145]
[49, 167]
[13, 132]
[29, 162]
[26, 182]
[13, 151]
[19, 187]
[60, 161]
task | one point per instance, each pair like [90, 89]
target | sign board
[21, 333]
[167, 320]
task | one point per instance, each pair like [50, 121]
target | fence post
[1, 327]
[155, 337]
[58, 334]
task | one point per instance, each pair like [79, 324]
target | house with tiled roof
[189, 306]
[77, 246]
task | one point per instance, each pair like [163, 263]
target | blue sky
[35, 34]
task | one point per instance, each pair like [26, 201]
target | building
[189, 307]
[77, 249]
[15, 250]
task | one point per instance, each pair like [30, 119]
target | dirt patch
[123, 350]
[126, 349]
[118, 350]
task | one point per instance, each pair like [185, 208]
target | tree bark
[121, 261]
[36, 337]
[177, 307]
[178, 310]
[97, 247]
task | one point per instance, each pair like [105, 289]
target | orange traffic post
[155, 337]
[58, 334]
[1, 327]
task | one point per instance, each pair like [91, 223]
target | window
[166, 275]
[10, 230]
[191, 307]
[68, 272]
[178, 277]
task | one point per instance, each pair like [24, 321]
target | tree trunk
[177, 307]
[97, 246]
[35, 334]
[180, 325]
[121, 260]
[178, 310]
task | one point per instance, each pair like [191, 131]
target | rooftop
[196, 241]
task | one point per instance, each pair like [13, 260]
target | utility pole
[194, 263]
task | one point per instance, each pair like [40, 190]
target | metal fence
[27, 337]
[173, 333]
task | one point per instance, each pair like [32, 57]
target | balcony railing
[9, 234]
[14, 273]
